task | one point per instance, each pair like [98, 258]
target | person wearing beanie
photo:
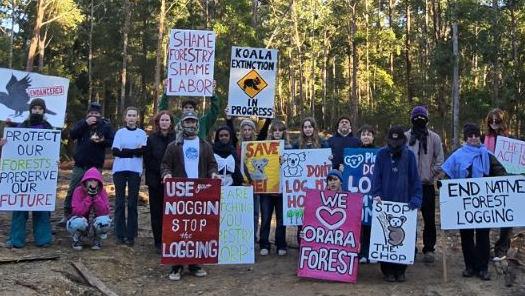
[428, 149]
[334, 180]
[473, 160]
[342, 139]
[226, 156]
[41, 219]
[89, 195]
[188, 157]
[93, 135]
[396, 179]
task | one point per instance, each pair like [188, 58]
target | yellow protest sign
[252, 83]
[262, 159]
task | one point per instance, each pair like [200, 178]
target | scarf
[490, 142]
[477, 159]
[419, 132]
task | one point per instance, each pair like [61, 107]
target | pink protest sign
[331, 235]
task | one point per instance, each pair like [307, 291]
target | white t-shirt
[190, 148]
[129, 139]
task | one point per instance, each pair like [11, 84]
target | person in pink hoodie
[89, 196]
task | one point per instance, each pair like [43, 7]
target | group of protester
[406, 169]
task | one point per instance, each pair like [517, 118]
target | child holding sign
[41, 222]
[89, 195]
[396, 179]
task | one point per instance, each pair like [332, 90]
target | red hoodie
[82, 202]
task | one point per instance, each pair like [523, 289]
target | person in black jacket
[226, 156]
[342, 139]
[155, 148]
[93, 135]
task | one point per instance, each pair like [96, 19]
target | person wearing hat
[342, 139]
[128, 147]
[206, 121]
[41, 219]
[93, 135]
[396, 179]
[473, 160]
[428, 149]
[334, 180]
[188, 157]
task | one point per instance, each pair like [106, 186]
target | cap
[189, 115]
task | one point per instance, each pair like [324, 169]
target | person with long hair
[496, 125]
[269, 202]
[155, 148]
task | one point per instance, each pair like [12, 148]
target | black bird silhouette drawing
[16, 97]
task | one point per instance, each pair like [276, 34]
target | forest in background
[370, 59]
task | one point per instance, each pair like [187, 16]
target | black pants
[156, 197]
[365, 240]
[428, 210]
[268, 204]
[503, 244]
[476, 253]
[393, 268]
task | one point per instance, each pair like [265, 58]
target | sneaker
[281, 252]
[264, 252]
[429, 257]
[175, 275]
[77, 245]
[389, 278]
[484, 275]
[363, 260]
[103, 236]
[96, 245]
[199, 272]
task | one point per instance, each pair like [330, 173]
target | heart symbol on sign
[331, 218]
[354, 160]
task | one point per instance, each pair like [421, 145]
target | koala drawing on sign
[258, 169]
[291, 166]
[396, 234]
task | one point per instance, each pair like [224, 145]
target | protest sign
[357, 176]
[393, 236]
[482, 202]
[252, 82]
[511, 154]
[262, 159]
[331, 233]
[191, 57]
[236, 231]
[302, 169]
[19, 88]
[190, 228]
[29, 169]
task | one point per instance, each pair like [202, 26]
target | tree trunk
[160, 53]
[495, 54]
[125, 31]
[90, 54]
[354, 64]
[455, 87]
[408, 63]
[12, 35]
[33, 45]
[41, 50]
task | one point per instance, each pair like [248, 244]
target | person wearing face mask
[41, 220]
[495, 125]
[342, 139]
[93, 135]
[428, 149]
[473, 160]
[89, 196]
[155, 148]
[396, 179]
[226, 156]
[188, 157]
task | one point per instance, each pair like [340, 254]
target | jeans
[41, 228]
[76, 176]
[268, 203]
[428, 211]
[476, 253]
[255, 216]
[156, 197]
[101, 225]
[126, 229]
[365, 240]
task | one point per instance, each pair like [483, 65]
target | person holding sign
[155, 148]
[495, 125]
[428, 149]
[189, 157]
[41, 219]
[89, 196]
[128, 147]
[269, 202]
[207, 120]
[396, 179]
[342, 139]
[226, 156]
[473, 160]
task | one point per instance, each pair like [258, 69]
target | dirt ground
[136, 271]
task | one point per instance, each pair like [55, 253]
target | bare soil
[137, 271]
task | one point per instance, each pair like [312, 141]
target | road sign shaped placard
[252, 83]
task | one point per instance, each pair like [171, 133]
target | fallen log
[29, 258]
[92, 279]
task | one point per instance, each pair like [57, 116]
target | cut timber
[93, 280]
[28, 258]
